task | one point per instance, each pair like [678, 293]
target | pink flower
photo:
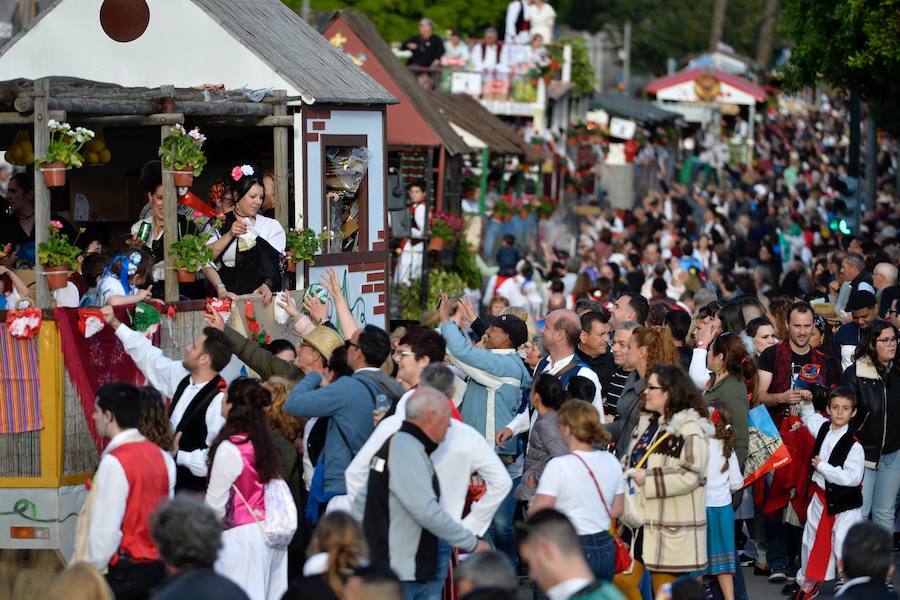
[236, 173]
[57, 224]
[198, 214]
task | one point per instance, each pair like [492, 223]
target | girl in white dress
[243, 459]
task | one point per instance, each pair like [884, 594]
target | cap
[514, 327]
[324, 339]
[861, 299]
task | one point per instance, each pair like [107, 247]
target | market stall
[262, 85]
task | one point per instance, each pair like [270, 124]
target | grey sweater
[544, 442]
[402, 515]
[627, 411]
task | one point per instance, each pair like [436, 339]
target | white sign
[466, 83]
[622, 128]
[82, 211]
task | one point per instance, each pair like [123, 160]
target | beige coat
[675, 525]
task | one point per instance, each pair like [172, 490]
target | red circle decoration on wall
[124, 20]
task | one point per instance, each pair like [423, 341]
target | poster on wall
[364, 290]
[622, 128]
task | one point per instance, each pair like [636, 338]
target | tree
[718, 24]
[848, 44]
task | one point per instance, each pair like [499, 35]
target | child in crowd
[121, 280]
[545, 441]
[723, 478]
[508, 257]
[837, 472]
[12, 288]
[92, 267]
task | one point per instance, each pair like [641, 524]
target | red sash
[820, 553]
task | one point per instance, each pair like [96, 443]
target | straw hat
[324, 339]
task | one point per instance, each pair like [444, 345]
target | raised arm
[347, 324]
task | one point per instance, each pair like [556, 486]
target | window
[345, 194]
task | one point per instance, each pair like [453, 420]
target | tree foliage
[849, 44]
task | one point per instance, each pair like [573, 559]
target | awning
[622, 105]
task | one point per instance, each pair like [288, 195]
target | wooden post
[483, 184]
[281, 162]
[300, 219]
[429, 194]
[170, 223]
[41, 191]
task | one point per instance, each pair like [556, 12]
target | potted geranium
[63, 152]
[191, 250]
[302, 245]
[182, 151]
[503, 209]
[58, 256]
[444, 228]
[546, 208]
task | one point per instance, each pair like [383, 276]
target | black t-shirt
[766, 362]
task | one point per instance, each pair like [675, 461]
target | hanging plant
[182, 152]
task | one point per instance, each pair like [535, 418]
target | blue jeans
[431, 589]
[599, 554]
[493, 232]
[502, 533]
[880, 486]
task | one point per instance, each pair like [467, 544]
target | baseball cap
[514, 327]
[860, 299]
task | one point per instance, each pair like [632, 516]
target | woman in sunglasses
[875, 377]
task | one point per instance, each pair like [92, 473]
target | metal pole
[429, 185]
[483, 185]
[853, 153]
[626, 67]
[871, 158]
[750, 135]
[41, 191]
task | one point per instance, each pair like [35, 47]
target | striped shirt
[613, 389]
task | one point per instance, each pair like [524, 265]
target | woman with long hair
[672, 435]
[733, 383]
[762, 333]
[651, 346]
[243, 459]
[875, 377]
[81, 581]
[586, 485]
[545, 440]
[154, 423]
[248, 246]
[778, 315]
[337, 548]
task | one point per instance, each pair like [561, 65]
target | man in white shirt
[550, 546]
[196, 390]
[133, 478]
[463, 453]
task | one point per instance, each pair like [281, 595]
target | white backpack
[281, 513]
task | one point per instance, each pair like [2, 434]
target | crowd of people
[602, 424]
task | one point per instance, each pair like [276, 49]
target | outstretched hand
[444, 308]
[109, 315]
[214, 319]
[316, 309]
[286, 301]
[465, 309]
[332, 283]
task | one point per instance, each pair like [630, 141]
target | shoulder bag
[623, 558]
[635, 501]
[281, 513]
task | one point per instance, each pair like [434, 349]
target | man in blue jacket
[349, 402]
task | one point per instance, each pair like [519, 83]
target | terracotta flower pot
[185, 276]
[547, 79]
[57, 277]
[436, 244]
[54, 174]
[523, 214]
[184, 178]
[291, 266]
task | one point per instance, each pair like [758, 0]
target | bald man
[405, 525]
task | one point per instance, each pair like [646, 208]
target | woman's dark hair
[724, 430]
[732, 317]
[338, 364]
[248, 400]
[549, 388]
[151, 176]
[754, 325]
[25, 180]
[738, 361]
[710, 310]
[679, 323]
[867, 348]
[144, 269]
[280, 345]
[154, 422]
[682, 392]
[93, 264]
[240, 187]
[581, 388]
[425, 342]
[778, 311]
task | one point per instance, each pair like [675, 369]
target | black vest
[839, 498]
[193, 428]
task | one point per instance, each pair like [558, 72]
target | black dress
[253, 267]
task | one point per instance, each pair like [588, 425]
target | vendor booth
[264, 87]
[702, 95]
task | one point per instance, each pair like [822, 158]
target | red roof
[748, 87]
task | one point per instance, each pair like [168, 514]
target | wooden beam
[170, 223]
[276, 120]
[25, 104]
[280, 136]
[14, 118]
[41, 191]
[133, 120]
